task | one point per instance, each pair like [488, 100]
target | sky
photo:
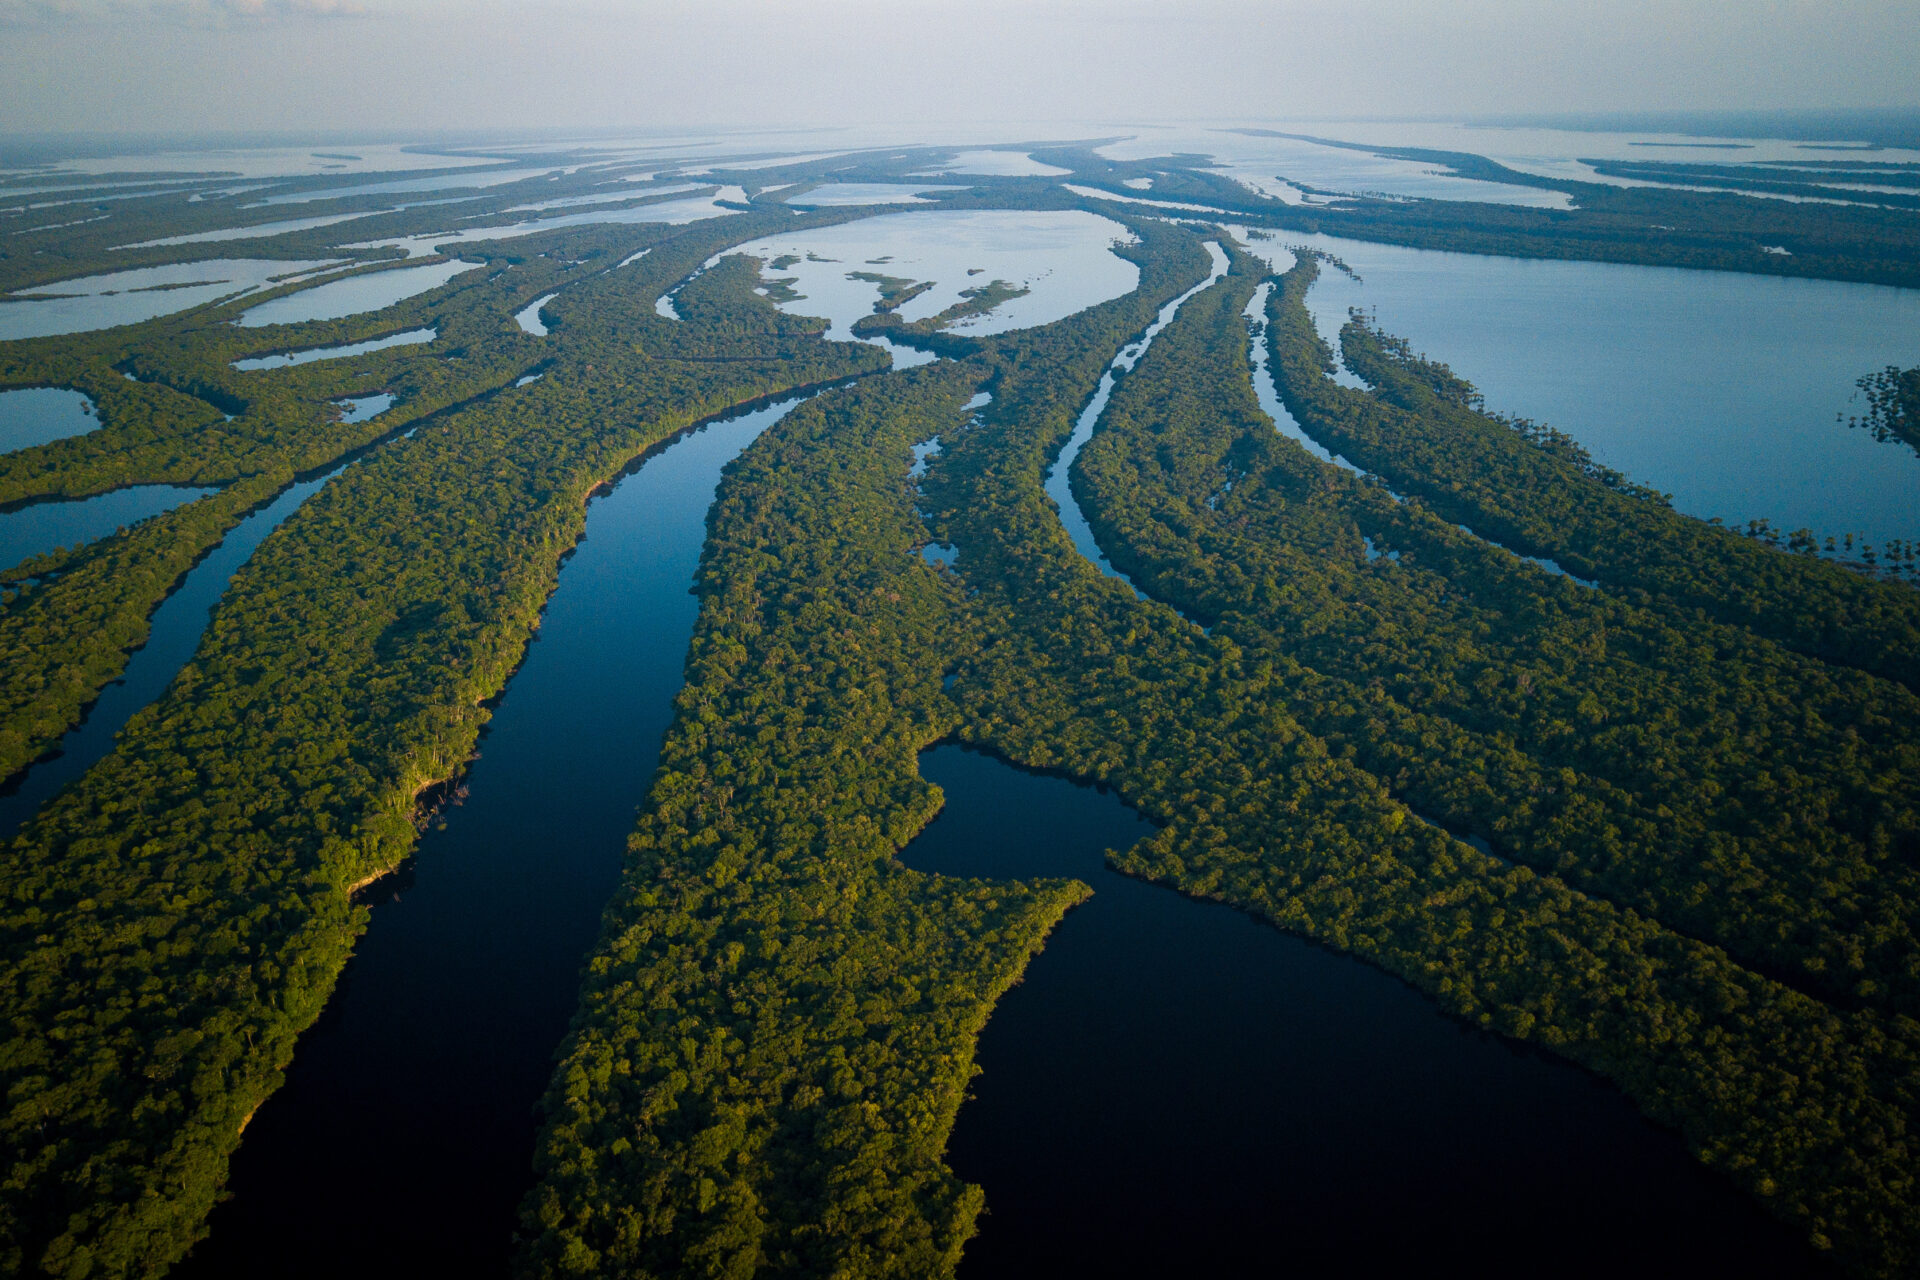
[341, 66]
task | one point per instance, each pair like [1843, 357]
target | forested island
[1585, 771]
[1893, 405]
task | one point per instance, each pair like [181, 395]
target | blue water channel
[1176, 1089]
[403, 1139]
[175, 631]
[1059, 476]
[407, 338]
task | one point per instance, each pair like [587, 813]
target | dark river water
[1178, 1090]
[403, 1139]
[1174, 1090]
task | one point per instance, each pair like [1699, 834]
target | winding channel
[1058, 480]
[173, 634]
[1268, 393]
[403, 1138]
[1176, 1088]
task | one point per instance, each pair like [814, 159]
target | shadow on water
[402, 1141]
[1177, 1089]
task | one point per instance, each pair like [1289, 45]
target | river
[405, 1130]
[173, 634]
[1175, 1089]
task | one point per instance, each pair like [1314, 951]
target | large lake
[1718, 388]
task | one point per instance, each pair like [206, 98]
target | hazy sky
[165, 65]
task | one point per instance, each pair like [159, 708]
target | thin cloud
[175, 13]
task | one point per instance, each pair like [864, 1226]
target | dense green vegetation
[1219, 737]
[704, 1120]
[1625, 748]
[1698, 783]
[175, 918]
[1211, 736]
[1421, 430]
[777, 1026]
[67, 622]
[165, 393]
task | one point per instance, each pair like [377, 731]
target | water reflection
[41, 415]
[834, 194]
[35, 530]
[1059, 476]
[256, 232]
[1721, 389]
[173, 635]
[1064, 260]
[128, 297]
[355, 295]
[280, 360]
[999, 164]
[1174, 1089]
[363, 408]
[417, 1086]
[528, 317]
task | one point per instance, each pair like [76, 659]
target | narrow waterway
[280, 360]
[402, 1141]
[1175, 1089]
[1268, 394]
[174, 633]
[1058, 478]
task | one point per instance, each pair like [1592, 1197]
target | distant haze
[346, 65]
